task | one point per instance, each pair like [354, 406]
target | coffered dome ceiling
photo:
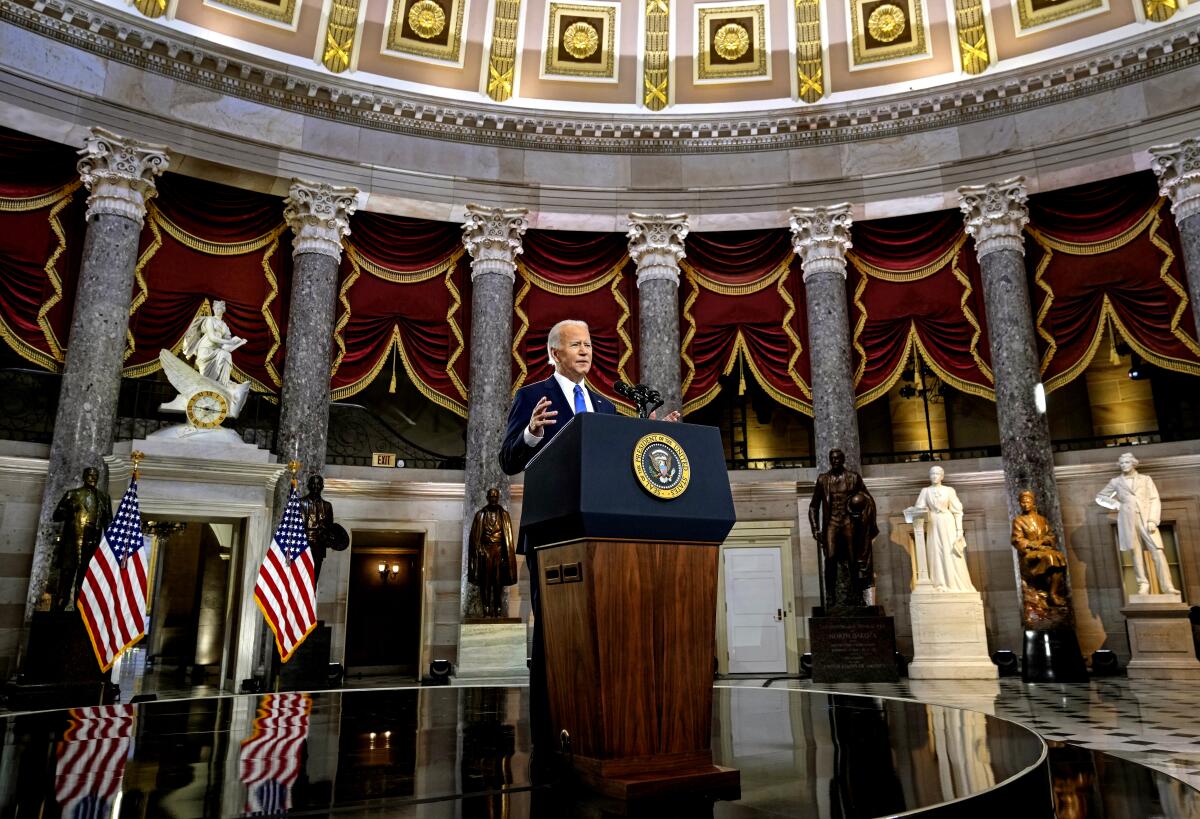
[677, 57]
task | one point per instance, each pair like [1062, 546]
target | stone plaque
[853, 649]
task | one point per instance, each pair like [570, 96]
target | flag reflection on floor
[91, 760]
[271, 756]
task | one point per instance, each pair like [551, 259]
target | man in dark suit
[532, 422]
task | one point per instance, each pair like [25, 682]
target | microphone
[641, 395]
[624, 389]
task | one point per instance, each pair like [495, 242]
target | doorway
[383, 617]
[756, 622]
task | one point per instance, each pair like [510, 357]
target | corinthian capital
[821, 237]
[319, 216]
[120, 173]
[1177, 167]
[656, 245]
[995, 214]
[493, 238]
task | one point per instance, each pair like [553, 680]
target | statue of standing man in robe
[1139, 512]
[492, 560]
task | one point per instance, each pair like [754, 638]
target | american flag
[270, 757]
[286, 589]
[91, 760]
[112, 597]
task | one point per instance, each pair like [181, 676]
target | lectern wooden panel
[629, 621]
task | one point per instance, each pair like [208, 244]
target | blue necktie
[580, 404]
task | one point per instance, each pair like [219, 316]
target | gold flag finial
[294, 466]
[136, 458]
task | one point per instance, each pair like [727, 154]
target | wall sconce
[388, 573]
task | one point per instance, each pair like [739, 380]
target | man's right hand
[542, 416]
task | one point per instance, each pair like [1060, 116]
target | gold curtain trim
[615, 289]
[970, 317]
[273, 283]
[26, 351]
[522, 329]
[858, 328]
[745, 289]
[404, 277]
[892, 377]
[52, 273]
[396, 344]
[143, 290]
[797, 348]
[915, 274]
[344, 319]
[14, 205]
[968, 387]
[1096, 248]
[209, 247]
[1164, 273]
[581, 289]
[455, 304]
[689, 366]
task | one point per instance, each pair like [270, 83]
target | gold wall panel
[503, 51]
[276, 11]
[886, 30]
[1034, 13]
[580, 41]
[656, 65]
[153, 8]
[431, 29]
[1157, 11]
[810, 81]
[972, 36]
[731, 43]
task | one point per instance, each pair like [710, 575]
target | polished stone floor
[456, 751]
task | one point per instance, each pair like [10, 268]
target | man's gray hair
[555, 337]
[1129, 455]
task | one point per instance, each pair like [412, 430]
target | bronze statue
[323, 533]
[85, 513]
[492, 561]
[842, 517]
[1043, 566]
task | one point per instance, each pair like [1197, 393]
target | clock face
[207, 409]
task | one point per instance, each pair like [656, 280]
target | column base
[1160, 640]
[1053, 656]
[494, 650]
[858, 647]
[949, 638]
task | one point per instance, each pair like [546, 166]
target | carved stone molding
[319, 216]
[144, 44]
[996, 215]
[493, 238]
[656, 245]
[120, 173]
[821, 237]
[1177, 167]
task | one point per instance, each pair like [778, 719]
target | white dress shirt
[568, 389]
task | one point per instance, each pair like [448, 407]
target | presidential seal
[661, 466]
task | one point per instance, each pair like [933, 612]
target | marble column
[119, 173]
[492, 237]
[656, 246]
[821, 237]
[1178, 169]
[319, 215]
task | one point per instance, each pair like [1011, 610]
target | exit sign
[383, 459]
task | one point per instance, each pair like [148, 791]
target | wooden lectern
[628, 581]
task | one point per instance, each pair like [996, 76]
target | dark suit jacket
[515, 454]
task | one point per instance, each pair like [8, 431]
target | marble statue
[207, 393]
[492, 561]
[323, 533]
[85, 513]
[1139, 512]
[1043, 567]
[944, 543]
[842, 517]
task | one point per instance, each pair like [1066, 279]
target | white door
[754, 611]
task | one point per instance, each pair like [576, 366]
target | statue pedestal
[60, 668]
[949, 640]
[853, 644]
[491, 650]
[1160, 639]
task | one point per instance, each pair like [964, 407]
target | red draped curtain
[743, 300]
[1106, 256]
[915, 285]
[403, 284]
[202, 243]
[585, 276]
[41, 240]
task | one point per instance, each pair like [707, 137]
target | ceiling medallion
[426, 18]
[731, 41]
[581, 40]
[886, 23]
